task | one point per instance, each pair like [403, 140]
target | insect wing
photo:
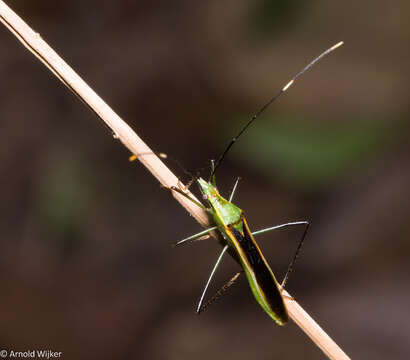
[264, 286]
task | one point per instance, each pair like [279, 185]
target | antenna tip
[340, 43]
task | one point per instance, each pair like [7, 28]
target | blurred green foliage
[271, 17]
[61, 203]
[308, 154]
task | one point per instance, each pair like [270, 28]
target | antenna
[264, 107]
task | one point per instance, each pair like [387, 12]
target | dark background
[86, 265]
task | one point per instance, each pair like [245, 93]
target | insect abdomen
[266, 282]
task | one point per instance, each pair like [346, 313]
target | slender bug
[235, 235]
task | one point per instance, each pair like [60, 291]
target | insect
[236, 237]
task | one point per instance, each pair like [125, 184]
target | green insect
[236, 237]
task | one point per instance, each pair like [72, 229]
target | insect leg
[292, 263]
[306, 223]
[195, 237]
[179, 191]
[234, 189]
[199, 307]
[221, 291]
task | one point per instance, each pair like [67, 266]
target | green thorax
[224, 212]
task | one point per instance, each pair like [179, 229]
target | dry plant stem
[33, 42]
[312, 329]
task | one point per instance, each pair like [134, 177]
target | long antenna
[264, 107]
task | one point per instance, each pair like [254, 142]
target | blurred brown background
[86, 265]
